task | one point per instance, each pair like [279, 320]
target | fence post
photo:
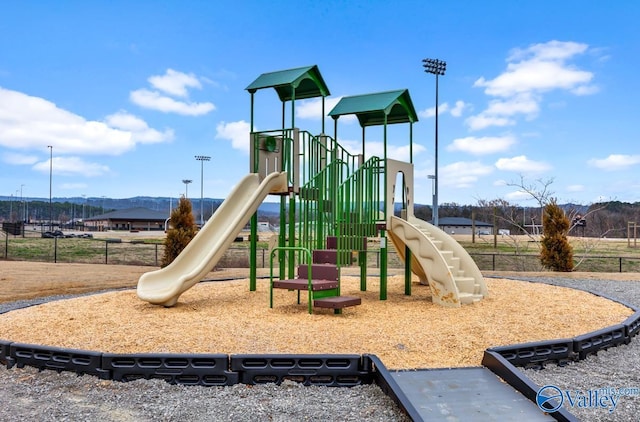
[619, 264]
[55, 250]
[106, 251]
[6, 245]
[156, 263]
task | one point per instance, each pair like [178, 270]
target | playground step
[337, 302]
[469, 298]
[319, 271]
[330, 256]
[303, 284]
[465, 284]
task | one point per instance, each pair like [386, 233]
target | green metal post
[383, 265]
[407, 271]
[383, 235]
[253, 242]
[292, 198]
[407, 251]
[292, 235]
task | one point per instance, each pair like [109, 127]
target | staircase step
[303, 284]
[465, 284]
[469, 298]
[319, 272]
[337, 302]
[330, 256]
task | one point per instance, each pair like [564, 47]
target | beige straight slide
[199, 257]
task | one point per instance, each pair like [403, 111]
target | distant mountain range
[153, 203]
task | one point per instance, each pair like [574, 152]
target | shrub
[556, 253]
[183, 229]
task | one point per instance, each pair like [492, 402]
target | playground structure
[333, 203]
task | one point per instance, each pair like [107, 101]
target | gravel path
[617, 367]
[49, 396]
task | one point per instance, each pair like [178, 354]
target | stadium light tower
[435, 67]
[202, 159]
[186, 187]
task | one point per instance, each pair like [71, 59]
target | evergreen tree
[556, 253]
[183, 229]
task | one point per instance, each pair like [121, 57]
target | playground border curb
[346, 370]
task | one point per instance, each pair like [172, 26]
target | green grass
[511, 254]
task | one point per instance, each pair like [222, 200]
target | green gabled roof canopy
[306, 82]
[372, 108]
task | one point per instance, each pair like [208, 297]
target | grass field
[502, 253]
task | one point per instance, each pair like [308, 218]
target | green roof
[306, 82]
[372, 108]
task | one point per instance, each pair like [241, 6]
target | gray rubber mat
[465, 394]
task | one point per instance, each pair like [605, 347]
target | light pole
[435, 67]
[11, 208]
[434, 198]
[21, 205]
[50, 185]
[202, 159]
[186, 187]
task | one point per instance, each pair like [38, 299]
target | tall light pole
[202, 159]
[21, 204]
[186, 187]
[435, 67]
[50, 185]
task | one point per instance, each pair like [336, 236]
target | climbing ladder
[320, 277]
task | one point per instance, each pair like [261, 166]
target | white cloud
[463, 174]
[175, 83]
[139, 128]
[531, 72]
[311, 109]
[28, 122]
[483, 145]
[72, 166]
[518, 195]
[236, 132]
[482, 121]
[615, 162]
[395, 152]
[540, 67]
[518, 104]
[32, 123]
[444, 108]
[459, 108]
[19, 159]
[155, 101]
[522, 164]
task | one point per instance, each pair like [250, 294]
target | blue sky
[128, 92]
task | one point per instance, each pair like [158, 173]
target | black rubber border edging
[503, 360]
[317, 369]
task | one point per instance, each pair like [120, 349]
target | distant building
[461, 225]
[140, 219]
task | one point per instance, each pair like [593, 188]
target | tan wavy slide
[164, 286]
[438, 260]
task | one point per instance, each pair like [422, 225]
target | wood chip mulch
[404, 331]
